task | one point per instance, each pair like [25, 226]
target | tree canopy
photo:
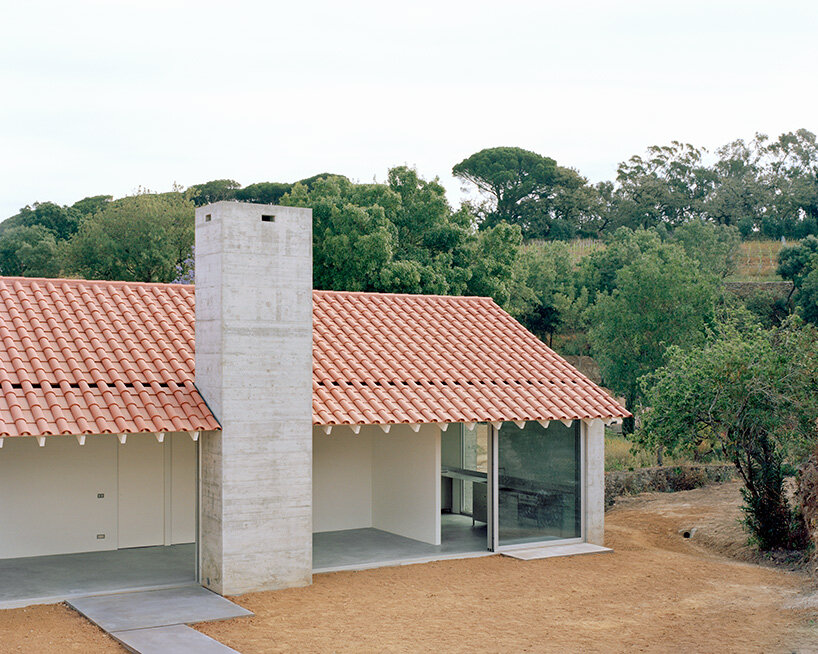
[660, 298]
[753, 395]
[799, 264]
[138, 238]
[29, 251]
[527, 189]
[402, 236]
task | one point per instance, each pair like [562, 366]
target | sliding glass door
[538, 482]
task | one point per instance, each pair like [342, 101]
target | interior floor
[62, 576]
[361, 548]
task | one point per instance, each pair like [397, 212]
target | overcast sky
[102, 97]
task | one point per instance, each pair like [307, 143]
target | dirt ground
[658, 592]
[51, 629]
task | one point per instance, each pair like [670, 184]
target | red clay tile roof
[383, 358]
[83, 357]
[87, 357]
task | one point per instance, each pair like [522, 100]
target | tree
[213, 191]
[510, 176]
[526, 189]
[60, 221]
[544, 297]
[263, 192]
[799, 264]
[28, 251]
[752, 394]
[715, 247]
[660, 298]
[768, 187]
[667, 186]
[138, 238]
[91, 205]
[597, 271]
[402, 236]
[740, 196]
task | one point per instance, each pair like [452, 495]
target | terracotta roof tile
[385, 358]
[81, 357]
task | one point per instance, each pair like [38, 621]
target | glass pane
[539, 478]
[475, 457]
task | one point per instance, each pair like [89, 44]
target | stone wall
[746, 289]
[664, 480]
[807, 498]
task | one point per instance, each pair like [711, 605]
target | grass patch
[758, 260]
[620, 454]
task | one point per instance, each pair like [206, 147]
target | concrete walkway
[547, 551]
[155, 622]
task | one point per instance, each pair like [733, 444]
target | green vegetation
[145, 237]
[660, 297]
[750, 394]
[403, 237]
[621, 454]
[799, 264]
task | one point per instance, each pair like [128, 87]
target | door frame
[494, 496]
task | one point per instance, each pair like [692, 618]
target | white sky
[100, 97]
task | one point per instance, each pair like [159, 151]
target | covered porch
[358, 549]
[409, 493]
[95, 514]
[58, 577]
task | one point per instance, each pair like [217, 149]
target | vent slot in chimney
[207, 218]
[267, 218]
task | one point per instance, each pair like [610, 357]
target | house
[311, 430]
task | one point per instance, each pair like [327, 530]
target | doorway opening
[464, 470]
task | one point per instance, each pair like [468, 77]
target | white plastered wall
[386, 481]
[342, 479]
[49, 496]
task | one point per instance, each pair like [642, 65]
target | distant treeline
[403, 235]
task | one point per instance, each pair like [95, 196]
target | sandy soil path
[657, 593]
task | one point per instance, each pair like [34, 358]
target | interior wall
[406, 481]
[141, 491]
[49, 500]
[342, 479]
[49, 496]
[183, 488]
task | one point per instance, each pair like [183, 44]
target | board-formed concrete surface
[156, 608]
[175, 639]
[254, 370]
[548, 551]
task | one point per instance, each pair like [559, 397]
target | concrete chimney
[254, 369]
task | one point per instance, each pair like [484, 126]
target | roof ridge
[411, 295]
[79, 280]
[111, 282]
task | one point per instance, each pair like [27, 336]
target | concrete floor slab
[156, 608]
[51, 579]
[548, 551]
[356, 549]
[175, 639]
